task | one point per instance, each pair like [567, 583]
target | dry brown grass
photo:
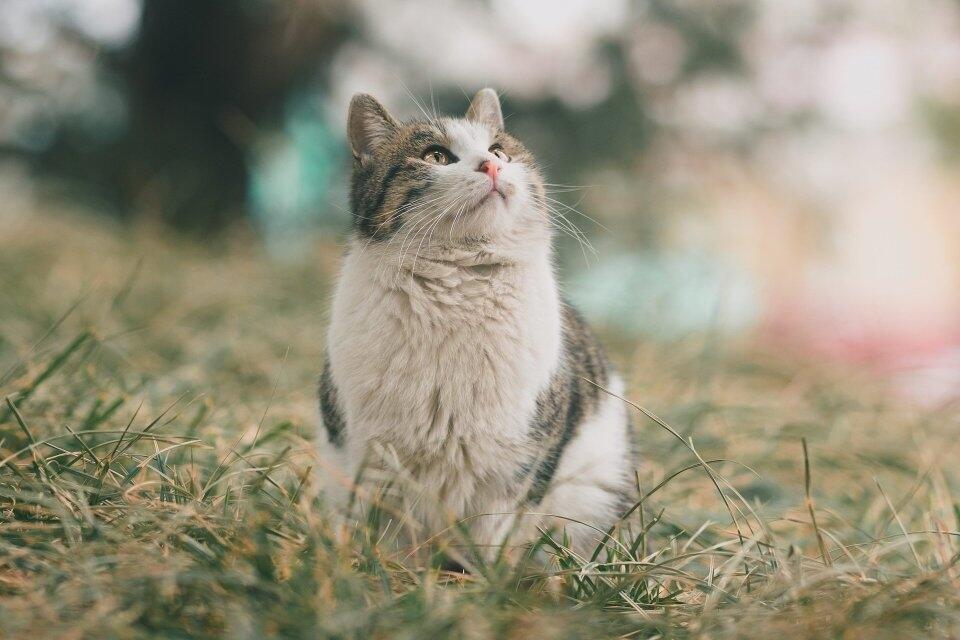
[155, 479]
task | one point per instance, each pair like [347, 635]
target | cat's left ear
[485, 109]
[369, 125]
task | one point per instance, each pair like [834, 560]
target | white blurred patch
[866, 83]
[111, 22]
[523, 48]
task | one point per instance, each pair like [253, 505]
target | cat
[450, 354]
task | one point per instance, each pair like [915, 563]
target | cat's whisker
[413, 206]
[413, 233]
[583, 242]
[458, 203]
[456, 219]
[420, 209]
[562, 223]
[552, 206]
[444, 200]
[430, 118]
[416, 224]
[433, 103]
[573, 209]
[561, 189]
[411, 95]
[460, 200]
[559, 216]
[568, 186]
[408, 229]
[583, 247]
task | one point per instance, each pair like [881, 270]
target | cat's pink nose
[491, 168]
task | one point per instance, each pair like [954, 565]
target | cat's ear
[485, 109]
[369, 124]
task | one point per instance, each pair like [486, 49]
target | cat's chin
[496, 198]
[493, 204]
[489, 202]
[489, 216]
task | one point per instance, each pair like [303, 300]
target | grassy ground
[156, 477]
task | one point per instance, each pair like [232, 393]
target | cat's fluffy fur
[451, 359]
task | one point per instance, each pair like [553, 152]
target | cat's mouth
[491, 201]
[495, 194]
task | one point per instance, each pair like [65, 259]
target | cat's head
[451, 180]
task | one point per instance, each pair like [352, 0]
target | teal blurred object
[292, 177]
[667, 295]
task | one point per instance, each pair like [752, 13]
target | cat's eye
[498, 151]
[438, 155]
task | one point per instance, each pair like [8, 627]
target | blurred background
[785, 173]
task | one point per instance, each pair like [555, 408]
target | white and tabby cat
[450, 347]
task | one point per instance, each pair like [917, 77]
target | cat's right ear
[485, 108]
[369, 125]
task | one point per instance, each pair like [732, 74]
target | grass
[158, 478]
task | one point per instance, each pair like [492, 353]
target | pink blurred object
[887, 293]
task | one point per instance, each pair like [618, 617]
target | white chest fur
[443, 364]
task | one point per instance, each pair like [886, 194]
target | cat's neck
[449, 286]
[439, 258]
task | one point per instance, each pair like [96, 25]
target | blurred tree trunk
[200, 80]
